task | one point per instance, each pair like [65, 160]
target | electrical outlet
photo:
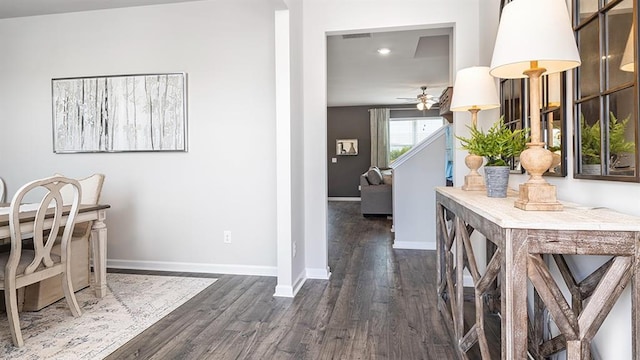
[360, 187]
[294, 249]
[227, 237]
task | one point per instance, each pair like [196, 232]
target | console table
[521, 239]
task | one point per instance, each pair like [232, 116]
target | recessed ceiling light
[384, 51]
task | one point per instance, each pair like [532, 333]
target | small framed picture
[347, 147]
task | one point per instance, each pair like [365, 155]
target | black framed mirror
[554, 120]
[606, 101]
[514, 103]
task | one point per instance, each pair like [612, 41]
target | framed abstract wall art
[347, 147]
[120, 113]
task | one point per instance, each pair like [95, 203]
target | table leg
[99, 253]
[578, 350]
[514, 297]
[635, 296]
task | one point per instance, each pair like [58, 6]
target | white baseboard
[321, 274]
[290, 291]
[193, 267]
[297, 285]
[338, 198]
[284, 291]
[414, 245]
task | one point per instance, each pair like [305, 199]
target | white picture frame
[347, 147]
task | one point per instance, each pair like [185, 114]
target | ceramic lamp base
[473, 182]
[538, 197]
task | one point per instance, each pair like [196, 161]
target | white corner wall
[168, 209]
[416, 174]
[297, 141]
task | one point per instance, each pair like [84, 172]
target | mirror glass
[606, 115]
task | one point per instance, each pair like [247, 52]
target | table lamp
[474, 90]
[535, 38]
[627, 62]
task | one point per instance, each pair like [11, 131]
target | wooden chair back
[91, 189]
[3, 191]
[23, 267]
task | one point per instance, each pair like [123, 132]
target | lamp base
[473, 182]
[538, 197]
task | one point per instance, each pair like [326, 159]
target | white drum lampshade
[534, 38]
[474, 88]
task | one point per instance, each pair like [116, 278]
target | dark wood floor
[379, 304]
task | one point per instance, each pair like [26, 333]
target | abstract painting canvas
[120, 113]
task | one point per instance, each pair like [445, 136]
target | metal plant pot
[497, 180]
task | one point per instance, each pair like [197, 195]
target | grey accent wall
[352, 122]
[347, 122]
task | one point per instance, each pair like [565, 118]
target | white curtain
[379, 122]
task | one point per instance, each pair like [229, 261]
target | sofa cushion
[374, 176]
[387, 176]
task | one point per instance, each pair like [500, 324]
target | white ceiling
[358, 75]
[19, 8]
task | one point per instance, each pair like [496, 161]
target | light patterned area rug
[132, 304]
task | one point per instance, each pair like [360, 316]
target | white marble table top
[502, 212]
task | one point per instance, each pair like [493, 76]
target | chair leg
[11, 303]
[67, 287]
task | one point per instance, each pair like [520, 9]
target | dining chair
[91, 189]
[21, 267]
[3, 190]
[46, 292]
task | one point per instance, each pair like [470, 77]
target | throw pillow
[387, 176]
[374, 176]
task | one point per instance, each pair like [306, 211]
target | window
[606, 112]
[405, 133]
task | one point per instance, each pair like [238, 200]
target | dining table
[98, 239]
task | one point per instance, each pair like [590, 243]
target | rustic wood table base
[524, 242]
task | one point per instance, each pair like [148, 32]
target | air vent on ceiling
[356, 36]
[432, 47]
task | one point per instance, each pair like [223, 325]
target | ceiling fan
[425, 101]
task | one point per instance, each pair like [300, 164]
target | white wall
[415, 176]
[297, 141]
[290, 183]
[168, 209]
[324, 16]
[283, 154]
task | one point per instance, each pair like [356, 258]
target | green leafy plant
[590, 135]
[591, 140]
[499, 144]
[394, 154]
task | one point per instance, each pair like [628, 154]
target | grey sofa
[375, 193]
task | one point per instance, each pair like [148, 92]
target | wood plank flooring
[380, 303]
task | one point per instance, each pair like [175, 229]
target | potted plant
[591, 144]
[498, 145]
